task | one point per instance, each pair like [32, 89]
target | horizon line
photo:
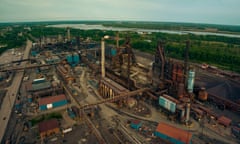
[146, 21]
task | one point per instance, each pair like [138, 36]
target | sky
[194, 11]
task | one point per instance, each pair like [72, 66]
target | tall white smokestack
[103, 57]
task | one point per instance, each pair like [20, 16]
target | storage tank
[191, 77]
[76, 58]
[69, 58]
[181, 108]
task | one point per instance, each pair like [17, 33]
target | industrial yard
[64, 89]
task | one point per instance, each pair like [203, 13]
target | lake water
[101, 27]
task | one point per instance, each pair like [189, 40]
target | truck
[67, 130]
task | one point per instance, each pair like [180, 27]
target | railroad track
[85, 117]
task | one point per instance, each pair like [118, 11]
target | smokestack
[187, 112]
[186, 67]
[103, 57]
[59, 38]
[117, 40]
[68, 34]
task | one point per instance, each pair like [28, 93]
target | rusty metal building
[173, 134]
[48, 128]
[108, 88]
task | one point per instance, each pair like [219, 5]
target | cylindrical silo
[191, 77]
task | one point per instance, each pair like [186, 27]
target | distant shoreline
[146, 30]
[199, 27]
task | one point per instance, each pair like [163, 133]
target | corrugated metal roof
[48, 125]
[113, 85]
[174, 132]
[224, 120]
[170, 98]
[41, 86]
[51, 99]
[136, 122]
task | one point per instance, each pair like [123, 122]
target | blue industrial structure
[113, 52]
[69, 58]
[73, 59]
[52, 102]
[17, 105]
[168, 103]
[53, 105]
[136, 124]
[30, 98]
[34, 53]
[71, 113]
[165, 137]
[76, 59]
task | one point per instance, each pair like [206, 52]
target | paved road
[9, 100]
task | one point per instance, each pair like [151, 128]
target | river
[101, 27]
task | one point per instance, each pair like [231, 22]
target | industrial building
[173, 134]
[41, 86]
[38, 84]
[109, 88]
[136, 124]
[48, 128]
[52, 102]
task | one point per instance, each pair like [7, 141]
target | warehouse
[41, 86]
[48, 128]
[173, 134]
[37, 87]
[52, 102]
